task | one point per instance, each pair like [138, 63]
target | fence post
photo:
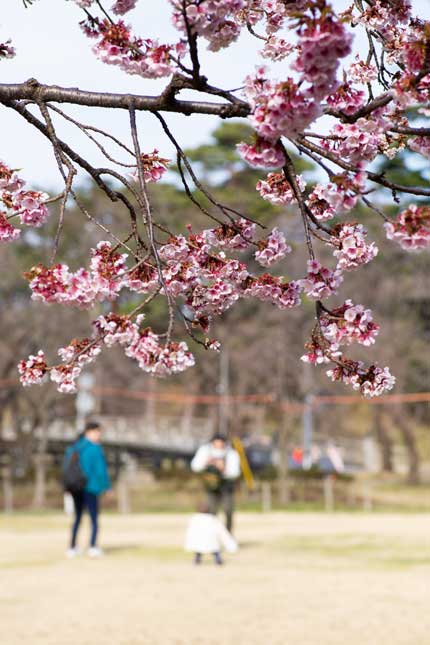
[266, 497]
[328, 488]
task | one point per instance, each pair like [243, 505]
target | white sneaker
[95, 552]
[72, 553]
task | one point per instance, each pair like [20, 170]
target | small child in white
[207, 534]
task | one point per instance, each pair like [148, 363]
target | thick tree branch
[32, 90]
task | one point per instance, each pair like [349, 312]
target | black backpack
[74, 479]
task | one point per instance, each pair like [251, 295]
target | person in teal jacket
[93, 463]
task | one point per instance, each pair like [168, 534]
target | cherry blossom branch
[378, 178]
[85, 129]
[224, 209]
[148, 216]
[29, 90]
[114, 196]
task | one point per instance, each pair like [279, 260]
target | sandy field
[313, 579]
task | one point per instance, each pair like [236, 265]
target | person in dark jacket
[93, 464]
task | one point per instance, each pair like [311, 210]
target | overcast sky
[51, 48]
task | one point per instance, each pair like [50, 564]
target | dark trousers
[223, 498]
[90, 502]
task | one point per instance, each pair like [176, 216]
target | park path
[313, 579]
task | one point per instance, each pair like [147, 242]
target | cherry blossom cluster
[347, 99]
[156, 358]
[348, 324]
[262, 154]
[154, 166]
[352, 250]
[202, 269]
[272, 249]
[321, 282]
[356, 142]
[369, 381]
[213, 20]
[7, 50]
[411, 228]
[28, 205]
[33, 370]
[117, 46]
[337, 196]
[279, 109]
[143, 345]
[82, 288]
[119, 7]
[322, 43]
[420, 145]
[274, 289]
[277, 190]
[227, 236]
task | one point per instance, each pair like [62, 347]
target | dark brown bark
[384, 440]
[410, 444]
[34, 91]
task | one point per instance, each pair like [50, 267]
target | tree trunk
[411, 447]
[283, 483]
[384, 440]
[41, 462]
[6, 474]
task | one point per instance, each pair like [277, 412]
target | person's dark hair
[218, 436]
[92, 425]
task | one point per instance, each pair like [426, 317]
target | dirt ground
[313, 579]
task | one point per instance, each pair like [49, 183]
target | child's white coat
[207, 534]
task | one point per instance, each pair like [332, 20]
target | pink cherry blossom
[158, 359]
[420, 145]
[322, 43]
[352, 250]
[277, 190]
[213, 299]
[6, 50]
[8, 233]
[347, 99]
[235, 236]
[65, 377]
[142, 279]
[272, 249]
[347, 324]
[356, 142]
[214, 20]
[280, 108]
[32, 370]
[120, 7]
[363, 73]
[339, 195]
[117, 46]
[154, 166]
[107, 268]
[80, 351]
[411, 228]
[276, 49]
[9, 179]
[116, 329]
[371, 381]
[262, 154]
[321, 282]
[276, 290]
[30, 207]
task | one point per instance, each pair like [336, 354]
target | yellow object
[244, 463]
